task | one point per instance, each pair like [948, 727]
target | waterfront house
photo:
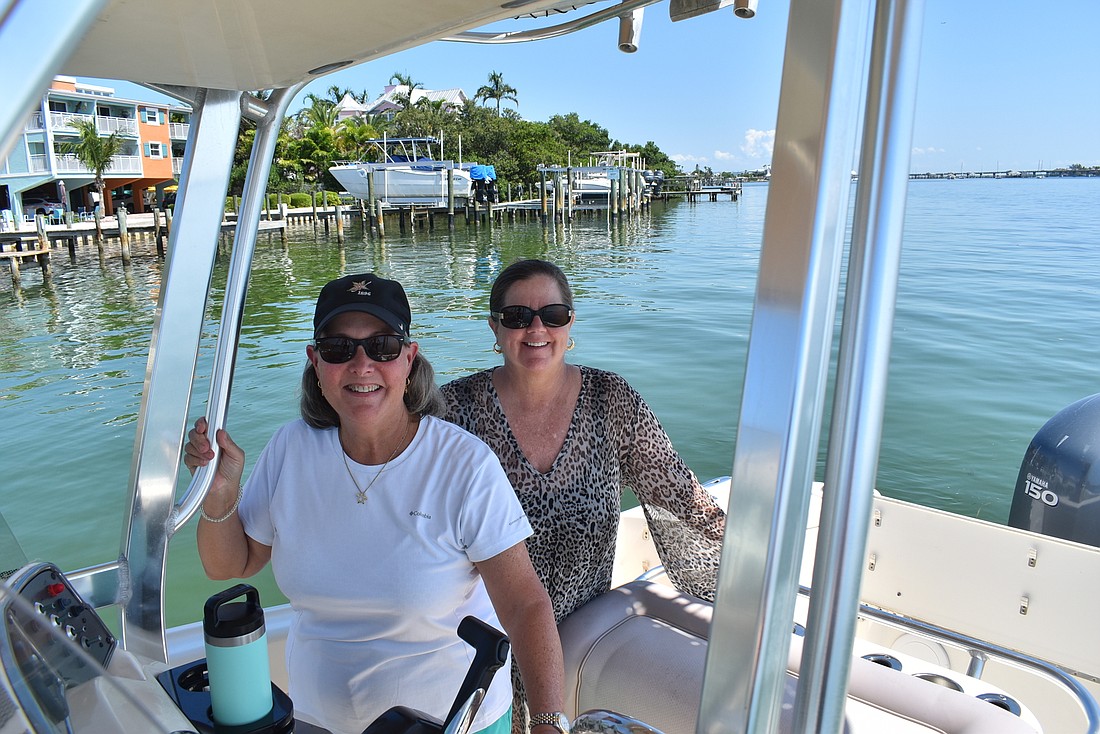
[395, 96]
[154, 135]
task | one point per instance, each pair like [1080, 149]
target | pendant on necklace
[361, 492]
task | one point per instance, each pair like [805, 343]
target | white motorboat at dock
[407, 174]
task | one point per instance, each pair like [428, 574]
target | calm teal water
[997, 330]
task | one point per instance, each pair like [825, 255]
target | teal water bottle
[236, 656]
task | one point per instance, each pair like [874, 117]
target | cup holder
[939, 680]
[188, 686]
[882, 659]
[1002, 701]
[195, 679]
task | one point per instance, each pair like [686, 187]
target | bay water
[997, 329]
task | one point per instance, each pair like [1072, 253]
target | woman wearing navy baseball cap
[384, 525]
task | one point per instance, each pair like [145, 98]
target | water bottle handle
[215, 602]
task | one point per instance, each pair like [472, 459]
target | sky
[1003, 85]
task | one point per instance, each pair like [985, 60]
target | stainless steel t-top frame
[136, 580]
[824, 72]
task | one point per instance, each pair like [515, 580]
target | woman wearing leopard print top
[571, 439]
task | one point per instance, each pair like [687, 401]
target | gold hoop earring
[497, 349]
[571, 344]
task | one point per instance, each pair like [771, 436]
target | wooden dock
[704, 193]
[38, 241]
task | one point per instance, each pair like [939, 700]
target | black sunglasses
[340, 349]
[520, 317]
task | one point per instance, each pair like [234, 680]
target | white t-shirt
[378, 589]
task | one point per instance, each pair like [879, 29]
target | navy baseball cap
[367, 293]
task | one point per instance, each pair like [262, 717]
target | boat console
[64, 671]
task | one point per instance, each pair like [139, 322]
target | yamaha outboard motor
[1058, 490]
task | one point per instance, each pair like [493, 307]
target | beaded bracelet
[226, 516]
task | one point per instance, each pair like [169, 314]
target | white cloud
[927, 151]
[757, 146]
[758, 143]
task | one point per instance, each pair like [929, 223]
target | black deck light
[326, 68]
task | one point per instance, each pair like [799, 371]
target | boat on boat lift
[591, 184]
[836, 610]
[407, 174]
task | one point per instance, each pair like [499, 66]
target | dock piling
[123, 235]
[450, 198]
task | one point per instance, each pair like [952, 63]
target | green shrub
[300, 200]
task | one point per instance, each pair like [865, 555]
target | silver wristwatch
[556, 719]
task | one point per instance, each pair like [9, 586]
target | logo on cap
[359, 287]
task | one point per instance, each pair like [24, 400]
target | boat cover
[479, 172]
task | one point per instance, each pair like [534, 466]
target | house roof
[348, 106]
[389, 98]
[350, 103]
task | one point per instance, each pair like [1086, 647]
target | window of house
[152, 115]
[155, 150]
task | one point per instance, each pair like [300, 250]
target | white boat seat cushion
[640, 650]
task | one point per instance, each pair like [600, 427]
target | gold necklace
[361, 492]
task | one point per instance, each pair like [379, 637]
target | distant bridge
[1050, 173]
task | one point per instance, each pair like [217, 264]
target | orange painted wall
[148, 132]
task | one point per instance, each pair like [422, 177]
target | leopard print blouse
[614, 442]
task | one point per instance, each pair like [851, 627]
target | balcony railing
[60, 121]
[179, 130]
[38, 164]
[177, 166]
[123, 125]
[69, 163]
[126, 164]
[34, 122]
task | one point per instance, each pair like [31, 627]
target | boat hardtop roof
[263, 44]
[400, 141]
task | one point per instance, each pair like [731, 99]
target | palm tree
[94, 152]
[321, 113]
[497, 90]
[406, 80]
[351, 137]
[405, 98]
[336, 94]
